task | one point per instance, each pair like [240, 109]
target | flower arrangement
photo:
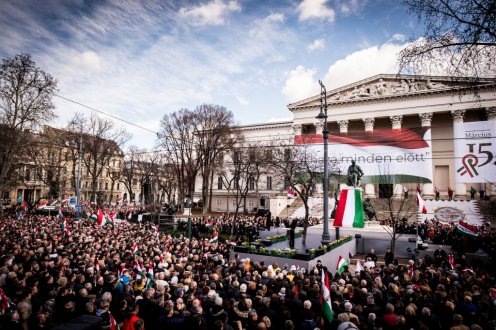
[328, 247]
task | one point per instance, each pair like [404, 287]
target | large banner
[475, 148]
[385, 156]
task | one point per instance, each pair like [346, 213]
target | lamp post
[78, 183]
[322, 117]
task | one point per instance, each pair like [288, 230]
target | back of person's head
[347, 326]
[288, 325]
[389, 308]
[139, 324]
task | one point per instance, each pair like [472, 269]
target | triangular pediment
[386, 86]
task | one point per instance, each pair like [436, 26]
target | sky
[141, 59]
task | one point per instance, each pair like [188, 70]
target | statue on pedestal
[368, 209]
[355, 173]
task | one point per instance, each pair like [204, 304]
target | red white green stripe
[341, 264]
[350, 209]
[325, 297]
[135, 249]
[466, 229]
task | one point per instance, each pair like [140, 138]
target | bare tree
[298, 167]
[26, 93]
[243, 173]
[178, 139]
[47, 154]
[130, 171]
[460, 37]
[102, 141]
[398, 210]
[214, 135]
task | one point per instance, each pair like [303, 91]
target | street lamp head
[322, 116]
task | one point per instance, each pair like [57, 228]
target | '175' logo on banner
[470, 161]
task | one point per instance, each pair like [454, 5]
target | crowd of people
[55, 272]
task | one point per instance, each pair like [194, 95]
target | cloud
[316, 44]
[300, 84]
[88, 60]
[398, 37]
[315, 9]
[276, 17]
[363, 64]
[212, 13]
[350, 7]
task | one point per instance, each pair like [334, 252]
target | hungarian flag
[291, 193]
[134, 250]
[111, 217]
[138, 271]
[341, 264]
[113, 323]
[451, 260]
[129, 214]
[215, 238]
[100, 219]
[421, 204]
[467, 230]
[350, 209]
[3, 299]
[65, 227]
[325, 297]
[94, 217]
[149, 275]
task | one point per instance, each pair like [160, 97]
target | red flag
[410, 271]
[3, 298]
[451, 261]
[99, 217]
[296, 290]
[421, 205]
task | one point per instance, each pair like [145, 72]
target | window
[252, 183]
[251, 203]
[237, 157]
[219, 202]
[118, 186]
[106, 185]
[219, 183]
[113, 163]
[269, 183]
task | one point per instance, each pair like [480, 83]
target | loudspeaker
[358, 235]
[302, 256]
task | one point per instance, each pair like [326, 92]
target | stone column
[425, 121]
[491, 116]
[460, 188]
[369, 127]
[396, 121]
[319, 127]
[343, 126]
[396, 124]
[297, 128]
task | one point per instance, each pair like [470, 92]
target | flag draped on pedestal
[350, 209]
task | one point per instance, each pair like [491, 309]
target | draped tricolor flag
[350, 209]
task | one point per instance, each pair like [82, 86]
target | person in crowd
[49, 277]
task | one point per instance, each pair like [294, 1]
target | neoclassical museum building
[427, 132]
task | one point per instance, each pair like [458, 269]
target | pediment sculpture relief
[382, 88]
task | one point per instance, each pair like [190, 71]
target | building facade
[391, 104]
